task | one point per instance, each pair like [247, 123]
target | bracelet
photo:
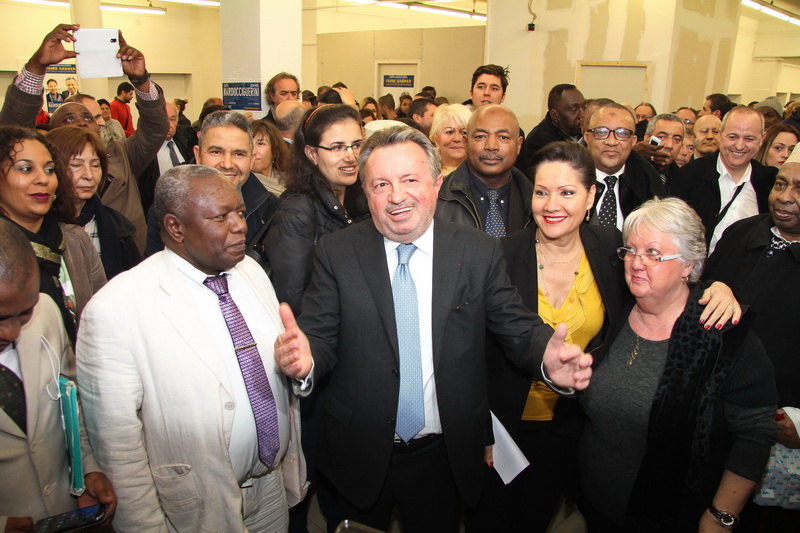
[723, 518]
[140, 81]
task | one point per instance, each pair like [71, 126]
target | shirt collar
[187, 268]
[601, 176]
[723, 171]
[480, 186]
[424, 243]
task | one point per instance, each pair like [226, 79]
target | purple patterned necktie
[255, 377]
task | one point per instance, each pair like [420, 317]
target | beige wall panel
[450, 56]
[688, 86]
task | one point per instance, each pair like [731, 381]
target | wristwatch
[139, 81]
[724, 518]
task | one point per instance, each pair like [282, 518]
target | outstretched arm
[292, 351]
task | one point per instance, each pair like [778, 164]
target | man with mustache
[226, 144]
[186, 409]
[625, 179]
[486, 191]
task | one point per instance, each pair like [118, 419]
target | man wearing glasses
[625, 179]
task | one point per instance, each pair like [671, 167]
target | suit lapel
[448, 255]
[522, 265]
[371, 257]
[172, 302]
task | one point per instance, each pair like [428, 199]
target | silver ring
[731, 308]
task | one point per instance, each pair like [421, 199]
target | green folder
[72, 433]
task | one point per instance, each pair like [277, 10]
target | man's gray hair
[398, 135]
[291, 120]
[225, 119]
[172, 189]
[674, 218]
[669, 117]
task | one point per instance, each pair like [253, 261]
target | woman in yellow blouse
[566, 271]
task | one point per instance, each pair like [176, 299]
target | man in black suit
[728, 185]
[175, 150]
[406, 409]
[561, 123]
[625, 180]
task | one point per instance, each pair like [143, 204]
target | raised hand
[52, 49]
[292, 351]
[566, 364]
[133, 64]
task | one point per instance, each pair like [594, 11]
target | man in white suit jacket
[34, 467]
[164, 398]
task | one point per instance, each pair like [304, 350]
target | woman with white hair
[680, 416]
[449, 135]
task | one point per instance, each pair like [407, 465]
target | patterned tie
[173, 155]
[12, 398]
[608, 208]
[494, 220]
[255, 377]
[410, 406]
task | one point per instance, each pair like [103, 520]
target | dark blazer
[185, 139]
[639, 183]
[543, 134]
[348, 316]
[698, 183]
[508, 383]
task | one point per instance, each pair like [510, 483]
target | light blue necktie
[410, 406]
[494, 220]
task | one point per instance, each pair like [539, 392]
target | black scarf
[680, 436]
[106, 233]
[48, 245]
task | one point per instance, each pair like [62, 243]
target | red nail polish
[735, 322]
[702, 321]
[707, 326]
[719, 326]
[491, 464]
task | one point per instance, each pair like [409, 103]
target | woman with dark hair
[566, 271]
[321, 196]
[778, 143]
[36, 195]
[271, 157]
[86, 162]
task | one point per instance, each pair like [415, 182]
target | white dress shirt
[601, 178]
[421, 268]
[745, 205]
[164, 160]
[243, 447]
[9, 358]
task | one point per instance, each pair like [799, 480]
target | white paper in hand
[508, 459]
[97, 53]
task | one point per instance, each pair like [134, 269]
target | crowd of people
[359, 298]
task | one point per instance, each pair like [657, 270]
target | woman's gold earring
[588, 215]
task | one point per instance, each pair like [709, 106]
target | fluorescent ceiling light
[777, 14]
[437, 11]
[51, 3]
[484, 18]
[750, 3]
[133, 9]
[393, 4]
[794, 21]
[210, 3]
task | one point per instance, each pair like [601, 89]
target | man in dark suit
[402, 340]
[625, 180]
[728, 185]
[176, 149]
[561, 123]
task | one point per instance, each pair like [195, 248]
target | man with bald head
[33, 349]
[176, 149]
[183, 401]
[728, 185]
[486, 191]
[288, 116]
[706, 130]
[127, 159]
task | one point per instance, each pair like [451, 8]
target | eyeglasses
[688, 121]
[342, 148]
[622, 134]
[648, 258]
